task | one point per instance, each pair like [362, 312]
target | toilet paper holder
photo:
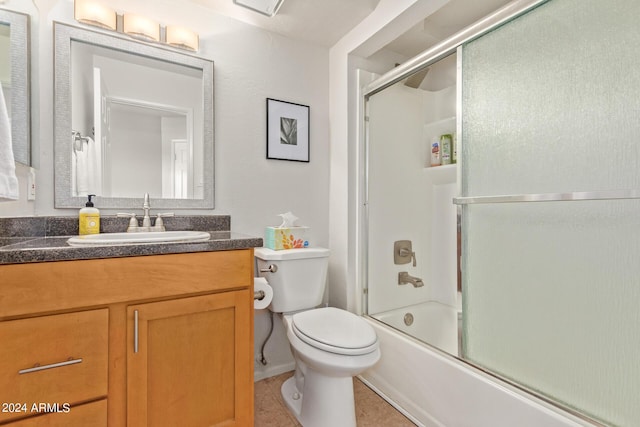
[259, 295]
[271, 268]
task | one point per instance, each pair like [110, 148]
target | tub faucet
[404, 278]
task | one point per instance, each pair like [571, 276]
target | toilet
[329, 345]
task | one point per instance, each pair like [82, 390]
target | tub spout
[404, 278]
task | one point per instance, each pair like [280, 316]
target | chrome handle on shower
[403, 253]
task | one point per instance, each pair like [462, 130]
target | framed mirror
[131, 118]
[14, 79]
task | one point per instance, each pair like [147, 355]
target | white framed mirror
[131, 118]
[14, 79]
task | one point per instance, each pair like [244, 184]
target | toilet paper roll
[261, 284]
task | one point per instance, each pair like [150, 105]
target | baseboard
[261, 372]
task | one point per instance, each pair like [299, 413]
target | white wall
[409, 200]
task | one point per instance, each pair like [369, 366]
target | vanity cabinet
[137, 341]
[181, 369]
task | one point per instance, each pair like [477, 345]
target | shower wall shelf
[439, 175]
[434, 129]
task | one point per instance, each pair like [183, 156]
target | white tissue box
[278, 238]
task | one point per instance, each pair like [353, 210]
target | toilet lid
[334, 330]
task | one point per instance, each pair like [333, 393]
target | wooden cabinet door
[192, 364]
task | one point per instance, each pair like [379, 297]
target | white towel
[82, 170]
[87, 171]
[8, 178]
[94, 166]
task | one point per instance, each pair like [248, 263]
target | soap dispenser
[89, 219]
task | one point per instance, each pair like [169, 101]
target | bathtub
[430, 322]
[436, 389]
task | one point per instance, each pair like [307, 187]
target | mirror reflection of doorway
[180, 168]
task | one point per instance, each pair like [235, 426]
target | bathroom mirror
[131, 118]
[14, 79]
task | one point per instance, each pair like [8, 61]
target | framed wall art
[287, 131]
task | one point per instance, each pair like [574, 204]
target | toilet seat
[335, 330]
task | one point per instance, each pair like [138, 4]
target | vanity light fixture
[265, 7]
[137, 26]
[182, 38]
[93, 13]
[141, 27]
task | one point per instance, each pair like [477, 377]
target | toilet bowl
[321, 391]
[329, 345]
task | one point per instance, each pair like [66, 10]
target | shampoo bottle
[89, 220]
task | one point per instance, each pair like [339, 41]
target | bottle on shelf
[435, 152]
[454, 151]
[446, 146]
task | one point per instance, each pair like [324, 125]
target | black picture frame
[288, 131]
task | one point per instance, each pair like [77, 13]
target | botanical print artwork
[288, 131]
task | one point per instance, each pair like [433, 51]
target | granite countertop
[17, 249]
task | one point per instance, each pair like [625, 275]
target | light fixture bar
[137, 26]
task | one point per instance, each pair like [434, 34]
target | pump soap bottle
[89, 219]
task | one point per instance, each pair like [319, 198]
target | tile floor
[371, 409]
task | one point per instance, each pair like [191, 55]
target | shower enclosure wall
[544, 104]
[410, 200]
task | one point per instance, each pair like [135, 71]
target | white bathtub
[435, 389]
[433, 323]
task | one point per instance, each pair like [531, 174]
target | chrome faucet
[404, 278]
[146, 207]
[146, 220]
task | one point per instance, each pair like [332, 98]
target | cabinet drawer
[59, 359]
[92, 414]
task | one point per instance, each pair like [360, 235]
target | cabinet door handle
[50, 366]
[135, 331]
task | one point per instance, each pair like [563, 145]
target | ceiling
[321, 22]
[325, 22]
[445, 22]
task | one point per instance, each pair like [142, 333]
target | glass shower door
[552, 286]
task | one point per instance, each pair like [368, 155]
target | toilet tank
[300, 277]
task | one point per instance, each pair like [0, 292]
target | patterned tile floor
[371, 409]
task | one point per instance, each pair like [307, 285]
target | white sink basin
[111, 239]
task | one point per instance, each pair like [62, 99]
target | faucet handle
[159, 222]
[133, 222]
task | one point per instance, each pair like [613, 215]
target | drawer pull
[50, 366]
[135, 331]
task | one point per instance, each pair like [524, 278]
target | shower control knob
[406, 253]
[403, 253]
